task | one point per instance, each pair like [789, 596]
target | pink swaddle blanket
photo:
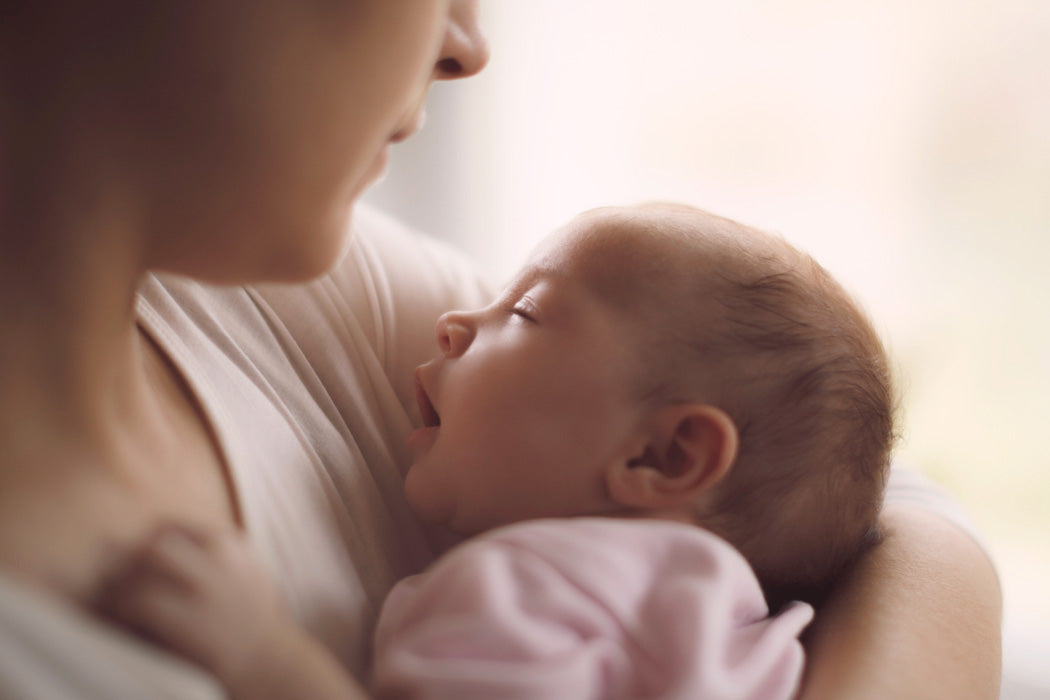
[588, 608]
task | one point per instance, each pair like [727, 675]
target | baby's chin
[420, 496]
[437, 524]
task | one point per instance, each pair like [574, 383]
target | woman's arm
[918, 617]
[296, 666]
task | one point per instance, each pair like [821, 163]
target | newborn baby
[665, 421]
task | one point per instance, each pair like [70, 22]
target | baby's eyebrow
[526, 279]
[536, 272]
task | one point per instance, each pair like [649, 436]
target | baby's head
[742, 321]
[659, 361]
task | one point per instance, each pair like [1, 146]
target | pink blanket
[588, 608]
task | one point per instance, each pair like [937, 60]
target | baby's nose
[455, 333]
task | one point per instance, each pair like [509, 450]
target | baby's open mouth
[430, 416]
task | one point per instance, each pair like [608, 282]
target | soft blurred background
[905, 143]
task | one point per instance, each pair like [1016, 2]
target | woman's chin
[373, 174]
[379, 165]
[315, 251]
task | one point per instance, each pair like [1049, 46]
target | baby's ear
[690, 449]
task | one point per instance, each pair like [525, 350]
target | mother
[162, 166]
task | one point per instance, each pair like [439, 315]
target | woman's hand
[204, 596]
[918, 617]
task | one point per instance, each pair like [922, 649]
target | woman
[154, 162]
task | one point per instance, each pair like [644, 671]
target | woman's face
[259, 122]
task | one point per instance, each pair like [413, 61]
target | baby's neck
[685, 516]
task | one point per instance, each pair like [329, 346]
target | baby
[670, 412]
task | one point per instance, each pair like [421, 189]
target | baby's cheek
[425, 493]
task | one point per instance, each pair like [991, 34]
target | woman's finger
[164, 615]
[182, 555]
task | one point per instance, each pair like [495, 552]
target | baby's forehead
[624, 261]
[646, 243]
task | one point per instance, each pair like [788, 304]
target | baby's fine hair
[806, 381]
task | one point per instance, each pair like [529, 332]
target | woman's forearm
[919, 617]
[295, 666]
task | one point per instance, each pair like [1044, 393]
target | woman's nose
[455, 333]
[464, 51]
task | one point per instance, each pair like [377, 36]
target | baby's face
[530, 398]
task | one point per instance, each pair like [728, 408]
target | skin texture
[918, 618]
[532, 408]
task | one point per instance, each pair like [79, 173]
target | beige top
[310, 393]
